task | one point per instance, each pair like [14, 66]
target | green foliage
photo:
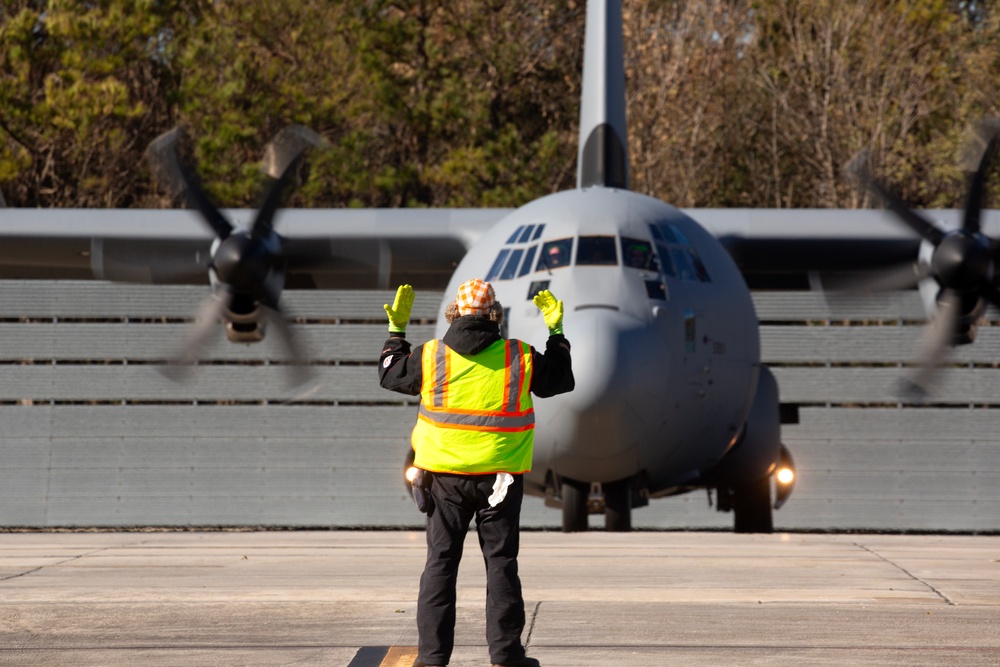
[459, 103]
[75, 83]
[893, 78]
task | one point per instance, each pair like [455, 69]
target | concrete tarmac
[347, 599]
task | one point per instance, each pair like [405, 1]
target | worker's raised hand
[399, 312]
[552, 311]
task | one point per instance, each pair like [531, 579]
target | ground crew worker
[474, 438]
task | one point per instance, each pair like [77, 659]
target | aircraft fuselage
[664, 336]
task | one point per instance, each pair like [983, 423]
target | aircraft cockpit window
[555, 254]
[699, 267]
[683, 263]
[638, 254]
[689, 264]
[655, 289]
[508, 264]
[529, 259]
[677, 256]
[596, 251]
[510, 269]
[664, 232]
[497, 265]
[665, 260]
[536, 287]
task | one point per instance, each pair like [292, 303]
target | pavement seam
[56, 564]
[531, 626]
[902, 569]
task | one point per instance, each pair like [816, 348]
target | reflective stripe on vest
[443, 411]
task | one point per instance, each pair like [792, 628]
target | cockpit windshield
[669, 253]
[679, 257]
[638, 254]
[596, 251]
[555, 254]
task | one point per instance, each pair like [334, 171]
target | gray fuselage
[664, 336]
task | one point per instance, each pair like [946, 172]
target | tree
[691, 100]
[467, 104]
[84, 86]
[461, 103]
[893, 78]
[247, 69]
[425, 103]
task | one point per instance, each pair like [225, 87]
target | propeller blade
[858, 166]
[918, 223]
[980, 154]
[281, 158]
[161, 154]
[287, 146]
[207, 318]
[843, 292]
[898, 277]
[299, 367]
[264, 222]
[933, 346]
[179, 180]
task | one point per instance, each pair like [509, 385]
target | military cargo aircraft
[671, 395]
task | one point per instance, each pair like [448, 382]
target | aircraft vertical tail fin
[603, 151]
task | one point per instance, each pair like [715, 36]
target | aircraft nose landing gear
[612, 499]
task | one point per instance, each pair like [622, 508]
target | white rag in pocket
[503, 481]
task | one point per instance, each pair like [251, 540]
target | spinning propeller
[248, 264]
[963, 262]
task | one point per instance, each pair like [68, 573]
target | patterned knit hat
[475, 297]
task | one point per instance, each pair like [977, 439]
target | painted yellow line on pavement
[400, 656]
[384, 656]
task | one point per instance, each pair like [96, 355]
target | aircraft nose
[593, 433]
[613, 358]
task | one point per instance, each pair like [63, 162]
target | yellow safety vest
[476, 414]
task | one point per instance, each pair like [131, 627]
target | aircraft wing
[780, 248]
[344, 248]
[380, 248]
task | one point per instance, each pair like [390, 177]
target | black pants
[457, 500]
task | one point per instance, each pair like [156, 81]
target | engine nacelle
[758, 452]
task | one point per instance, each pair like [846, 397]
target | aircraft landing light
[785, 478]
[384, 656]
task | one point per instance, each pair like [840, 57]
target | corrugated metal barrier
[93, 435]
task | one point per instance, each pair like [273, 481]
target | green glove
[399, 313]
[552, 311]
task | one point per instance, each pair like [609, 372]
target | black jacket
[400, 368]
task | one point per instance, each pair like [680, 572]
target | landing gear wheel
[574, 506]
[618, 506]
[752, 508]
